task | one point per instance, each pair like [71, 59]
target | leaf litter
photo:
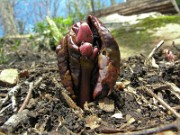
[145, 99]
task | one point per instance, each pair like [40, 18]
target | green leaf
[57, 35]
[68, 21]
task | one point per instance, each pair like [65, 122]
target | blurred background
[22, 16]
[137, 25]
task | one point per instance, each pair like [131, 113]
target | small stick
[173, 44]
[68, 99]
[149, 59]
[14, 103]
[155, 49]
[6, 107]
[12, 93]
[162, 102]
[173, 125]
[170, 86]
[173, 87]
[176, 107]
[31, 87]
[12, 123]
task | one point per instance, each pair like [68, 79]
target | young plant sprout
[88, 60]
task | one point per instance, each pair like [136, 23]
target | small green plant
[151, 22]
[12, 45]
[3, 58]
[15, 46]
[52, 30]
[178, 2]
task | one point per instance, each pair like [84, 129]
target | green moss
[178, 2]
[132, 42]
[136, 39]
[150, 22]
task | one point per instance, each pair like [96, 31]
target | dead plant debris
[145, 100]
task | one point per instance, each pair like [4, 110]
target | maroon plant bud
[88, 60]
[169, 55]
[84, 34]
[108, 59]
[86, 49]
[62, 57]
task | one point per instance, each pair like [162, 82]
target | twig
[68, 99]
[177, 48]
[12, 93]
[173, 125]
[155, 49]
[176, 107]
[14, 121]
[150, 60]
[173, 87]
[168, 86]
[31, 87]
[27, 97]
[162, 102]
[3, 109]
[14, 103]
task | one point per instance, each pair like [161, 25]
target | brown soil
[49, 112]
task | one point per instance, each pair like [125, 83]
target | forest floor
[145, 99]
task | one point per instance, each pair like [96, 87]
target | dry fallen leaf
[92, 121]
[131, 120]
[24, 73]
[106, 104]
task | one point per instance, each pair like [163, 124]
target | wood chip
[106, 104]
[92, 121]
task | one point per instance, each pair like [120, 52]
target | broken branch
[173, 125]
[162, 102]
[31, 87]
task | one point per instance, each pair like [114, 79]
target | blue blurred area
[25, 12]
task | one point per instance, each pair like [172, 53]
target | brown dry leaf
[106, 104]
[92, 121]
[24, 73]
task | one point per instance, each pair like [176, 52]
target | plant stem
[85, 92]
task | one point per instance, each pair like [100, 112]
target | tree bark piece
[140, 6]
[7, 17]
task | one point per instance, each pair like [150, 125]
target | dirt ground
[145, 99]
[139, 34]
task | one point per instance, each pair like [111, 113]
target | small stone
[9, 77]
